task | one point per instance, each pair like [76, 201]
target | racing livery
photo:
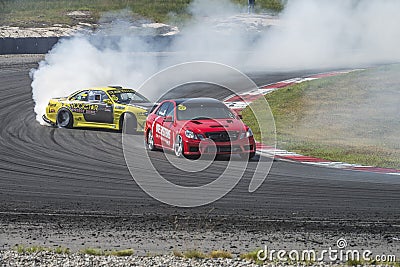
[194, 126]
[99, 108]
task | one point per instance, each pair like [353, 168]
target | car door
[99, 111]
[161, 134]
[168, 141]
[78, 104]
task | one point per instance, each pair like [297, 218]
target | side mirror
[108, 101]
[239, 117]
[168, 119]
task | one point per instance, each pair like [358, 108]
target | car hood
[215, 125]
[60, 98]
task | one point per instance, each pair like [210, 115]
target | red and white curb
[239, 102]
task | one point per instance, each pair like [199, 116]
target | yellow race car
[106, 107]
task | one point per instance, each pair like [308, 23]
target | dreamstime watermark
[146, 172]
[336, 254]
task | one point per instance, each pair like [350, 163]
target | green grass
[220, 254]
[62, 250]
[100, 252]
[251, 256]
[349, 118]
[34, 249]
[48, 12]
[92, 251]
[178, 254]
[262, 5]
[121, 253]
[194, 254]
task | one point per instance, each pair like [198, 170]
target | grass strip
[349, 118]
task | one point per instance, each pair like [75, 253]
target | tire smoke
[308, 34]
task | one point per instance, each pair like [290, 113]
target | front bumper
[241, 146]
[48, 121]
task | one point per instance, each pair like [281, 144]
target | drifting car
[104, 107]
[194, 126]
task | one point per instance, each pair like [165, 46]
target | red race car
[194, 126]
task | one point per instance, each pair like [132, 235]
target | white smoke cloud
[311, 34]
[88, 61]
[323, 33]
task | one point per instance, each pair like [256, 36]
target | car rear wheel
[65, 118]
[150, 141]
[128, 121]
[178, 146]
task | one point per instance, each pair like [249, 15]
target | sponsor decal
[113, 92]
[83, 108]
[164, 133]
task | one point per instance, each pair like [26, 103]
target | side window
[162, 110]
[170, 110]
[97, 96]
[82, 96]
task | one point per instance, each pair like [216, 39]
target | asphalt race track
[79, 172]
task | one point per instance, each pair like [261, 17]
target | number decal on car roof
[181, 107]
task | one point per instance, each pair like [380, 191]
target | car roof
[108, 88]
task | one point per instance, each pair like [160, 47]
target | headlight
[190, 134]
[249, 133]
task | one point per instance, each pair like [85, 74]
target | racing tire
[130, 122]
[247, 156]
[178, 147]
[65, 118]
[150, 141]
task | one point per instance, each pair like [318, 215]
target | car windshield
[126, 97]
[203, 111]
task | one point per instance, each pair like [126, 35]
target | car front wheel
[150, 141]
[178, 146]
[65, 118]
